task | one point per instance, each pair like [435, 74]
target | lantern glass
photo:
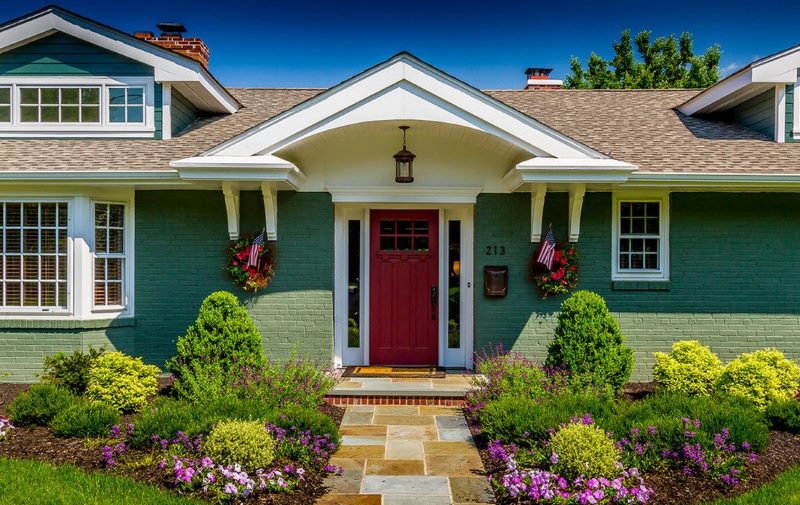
[404, 166]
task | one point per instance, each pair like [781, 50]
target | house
[126, 168]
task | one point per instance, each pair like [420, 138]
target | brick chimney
[172, 38]
[539, 78]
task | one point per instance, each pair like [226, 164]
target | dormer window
[126, 105]
[73, 106]
[59, 105]
[5, 104]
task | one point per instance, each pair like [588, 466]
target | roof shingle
[636, 126]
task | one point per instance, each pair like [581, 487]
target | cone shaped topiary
[589, 343]
[221, 345]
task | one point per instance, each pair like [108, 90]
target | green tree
[663, 62]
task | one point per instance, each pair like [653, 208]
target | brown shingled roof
[636, 126]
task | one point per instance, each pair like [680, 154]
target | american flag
[547, 250]
[252, 261]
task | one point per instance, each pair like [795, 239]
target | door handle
[434, 302]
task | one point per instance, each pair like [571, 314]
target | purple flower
[554, 458]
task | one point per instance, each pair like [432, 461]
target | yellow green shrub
[247, 443]
[584, 449]
[762, 377]
[122, 381]
[691, 368]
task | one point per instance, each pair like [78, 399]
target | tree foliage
[663, 62]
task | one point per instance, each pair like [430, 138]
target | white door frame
[345, 212]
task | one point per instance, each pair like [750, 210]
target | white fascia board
[168, 66]
[240, 168]
[706, 100]
[554, 170]
[87, 175]
[781, 68]
[286, 127]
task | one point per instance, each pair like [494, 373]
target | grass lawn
[33, 482]
[784, 491]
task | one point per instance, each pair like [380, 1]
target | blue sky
[296, 43]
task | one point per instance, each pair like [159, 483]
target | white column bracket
[576, 193]
[270, 194]
[538, 192]
[231, 192]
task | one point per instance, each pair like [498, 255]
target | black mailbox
[495, 281]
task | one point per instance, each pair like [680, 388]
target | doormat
[395, 372]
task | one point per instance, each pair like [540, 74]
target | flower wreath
[244, 275]
[562, 277]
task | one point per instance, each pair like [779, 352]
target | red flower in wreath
[250, 277]
[562, 277]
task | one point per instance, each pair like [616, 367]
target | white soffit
[403, 88]
[780, 68]
[168, 66]
[555, 170]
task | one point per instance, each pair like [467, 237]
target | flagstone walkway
[404, 455]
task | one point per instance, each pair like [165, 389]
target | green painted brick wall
[181, 238]
[733, 282]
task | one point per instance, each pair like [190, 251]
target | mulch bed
[39, 443]
[672, 486]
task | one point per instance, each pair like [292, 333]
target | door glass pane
[454, 285]
[353, 283]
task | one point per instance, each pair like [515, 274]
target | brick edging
[395, 400]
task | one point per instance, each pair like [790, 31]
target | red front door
[404, 276]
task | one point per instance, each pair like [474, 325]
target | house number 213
[495, 250]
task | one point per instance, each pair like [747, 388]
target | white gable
[168, 66]
[404, 88]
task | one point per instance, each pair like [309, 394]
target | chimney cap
[171, 28]
[538, 71]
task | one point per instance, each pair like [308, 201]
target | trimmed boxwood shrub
[247, 443]
[762, 377]
[85, 419]
[589, 343]
[221, 343]
[122, 381]
[583, 449]
[690, 368]
[70, 371]
[39, 405]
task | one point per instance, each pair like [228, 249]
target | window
[109, 246]
[404, 236]
[34, 254]
[5, 105]
[126, 105]
[454, 285]
[59, 105]
[640, 239]
[354, 284]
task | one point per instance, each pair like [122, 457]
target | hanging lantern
[404, 162]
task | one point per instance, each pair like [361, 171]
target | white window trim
[124, 256]
[80, 257]
[105, 128]
[53, 310]
[660, 275]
